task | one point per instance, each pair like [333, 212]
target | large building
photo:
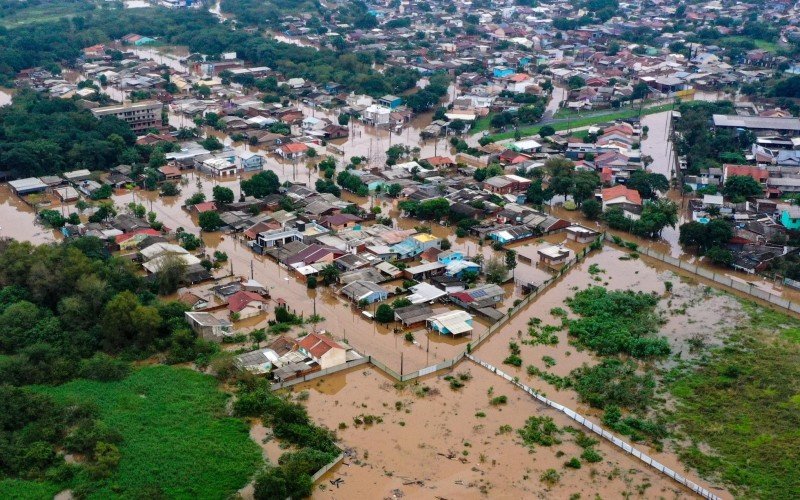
[759, 124]
[141, 116]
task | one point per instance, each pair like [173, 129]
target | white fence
[328, 467]
[577, 417]
[721, 279]
[321, 373]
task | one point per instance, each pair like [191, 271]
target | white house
[376, 115]
[219, 167]
[324, 351]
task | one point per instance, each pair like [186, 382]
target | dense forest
[41, 136]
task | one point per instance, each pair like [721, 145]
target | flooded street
[658, 145]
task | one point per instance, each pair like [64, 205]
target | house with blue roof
[449, 256]
[457, 268]
[502, 71]
[415, 245]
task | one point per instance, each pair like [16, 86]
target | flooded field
[689, 312]
[436, 442]
[446, 443]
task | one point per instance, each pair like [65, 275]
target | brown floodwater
[439, 445]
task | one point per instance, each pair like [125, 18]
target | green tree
[211, 143]
[170, 189]
[170, 274]
[547, 131]
[739, 187]
[126, 323]
[592, 209]
[495, 271]
[222, 194]
[511, 259]
[198, 197]
[262, 184]
[384, 314]
[210, 221]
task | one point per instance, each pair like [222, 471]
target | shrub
[591, 456]
[573, 463]
[541, 431]
[499, 400]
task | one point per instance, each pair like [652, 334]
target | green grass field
[585, 121]
[45, 13]
[744, 402]
[177, 438]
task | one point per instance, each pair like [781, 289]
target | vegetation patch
[540, 430]
[743, 402]
[175, 441]
[617, 322]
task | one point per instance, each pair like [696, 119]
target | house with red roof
[206, 206]
[629, 200]
[246, 304]
[326, 352]
[759, 174]
[440, 162]
[292, 150]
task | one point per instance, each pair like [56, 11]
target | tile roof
[631, 195]
[317, 345]
[241, 299]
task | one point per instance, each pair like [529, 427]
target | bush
[540, 430]
[613, 382]
[573, 463]
[103, 368]
[591, 456]
[499, 400]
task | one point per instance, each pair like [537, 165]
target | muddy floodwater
[436, 442]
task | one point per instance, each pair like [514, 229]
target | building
[451, 323]
[27, 186]
[366, 291]
[246, 304]
[390, 101]
[759, 124]
[376, 115]
[208, 326]
[251, 162]
[790, 217]
[219, 167]
[553, 256]
[412, 315]
[257, 362]
[292, 150]
[424, 293]
[141, 116]
[581, 234]
[506, 184]
[324, 351]
[620, 196]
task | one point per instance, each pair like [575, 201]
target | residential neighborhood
[390, 249]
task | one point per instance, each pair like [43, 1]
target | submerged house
[451, 323]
